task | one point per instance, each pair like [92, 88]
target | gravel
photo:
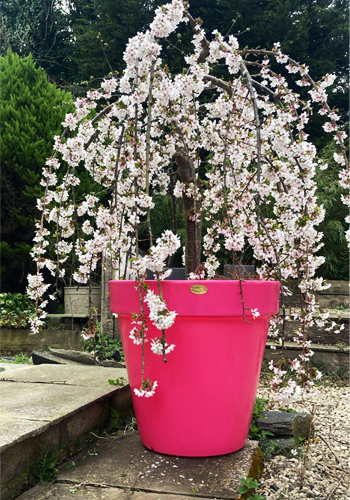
[326, 474]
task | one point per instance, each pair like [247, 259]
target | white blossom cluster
[148, 391]
[160, 316]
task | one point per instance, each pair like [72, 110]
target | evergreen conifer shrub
[32, 110]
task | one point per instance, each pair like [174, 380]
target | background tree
[40, 28]
[329, 193]
[32, 110]
[101, 29]
[77, 39]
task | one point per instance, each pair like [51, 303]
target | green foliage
[329, 194]
[39, 28]
[103, 344]
[19, 359]
[32, 110]
[101, 29]
[162, 217]
[254, 431]
[78, 450]
[69, 42]
[23, 359]
[120, 425]
[247, 488]
[270, 449]
[315, 33]
[16, 309]
[120, 381]
[46, 469]
[116, 421]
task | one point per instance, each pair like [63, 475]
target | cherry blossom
[147, 389]
[158, 348]
[252, 178]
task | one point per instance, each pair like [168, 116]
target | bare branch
[336, 486]
[205, 44]
[332, 451]
[219, 83]
[35, 34]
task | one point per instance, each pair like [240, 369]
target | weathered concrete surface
[86, 358]
[46, 405]
[130, 471]
[59, 491]
[74, 375]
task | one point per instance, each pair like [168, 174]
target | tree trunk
[187, 175]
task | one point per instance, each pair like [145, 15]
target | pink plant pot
[206, 391]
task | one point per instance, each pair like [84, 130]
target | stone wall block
[282, 423]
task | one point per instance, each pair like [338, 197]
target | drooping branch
[221, 83]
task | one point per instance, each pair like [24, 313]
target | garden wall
[336, 296]
[17, 340]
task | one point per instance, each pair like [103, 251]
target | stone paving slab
[48, 491]
[28, 406]
[46, 405]
[12, 367]
[123, 462]
[14, 429]
[79, 375]
[32, 407]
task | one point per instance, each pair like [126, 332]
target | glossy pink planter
[206, 391]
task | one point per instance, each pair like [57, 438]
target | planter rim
[220, 298]
[80, 288]
[201, 282]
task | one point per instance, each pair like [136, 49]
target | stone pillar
[109, 323]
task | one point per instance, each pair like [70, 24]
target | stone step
[121, 468]
[44, 406]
